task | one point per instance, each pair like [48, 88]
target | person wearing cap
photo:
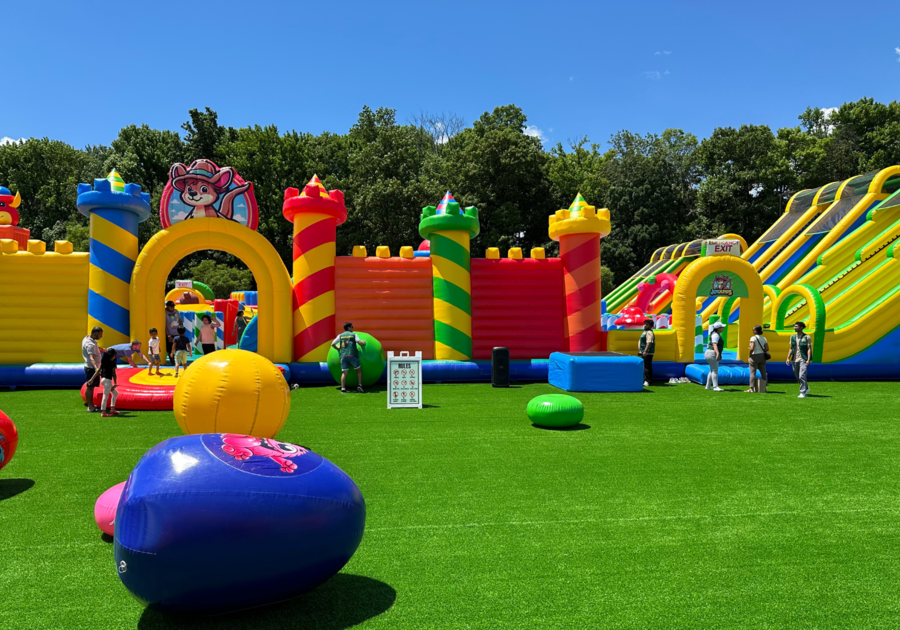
[799, 356]
[174, 320]
[713, 355]
[646, 349]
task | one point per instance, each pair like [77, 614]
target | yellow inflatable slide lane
[45, 303]
[784, 239]
[866, 228]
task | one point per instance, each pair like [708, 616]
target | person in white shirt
[91, 354]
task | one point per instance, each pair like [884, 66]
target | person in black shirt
[181, 347]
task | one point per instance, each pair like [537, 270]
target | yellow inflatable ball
[232, 391]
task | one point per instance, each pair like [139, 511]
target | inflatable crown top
[449, 216]
[314, 198]
[9, 215]
[106, 194]
[579, 218]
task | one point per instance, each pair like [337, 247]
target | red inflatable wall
[517, 304]
[389, 298]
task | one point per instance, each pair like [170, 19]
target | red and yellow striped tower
[579, 230]
[315, 213]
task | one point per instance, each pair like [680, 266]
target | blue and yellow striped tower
[450, 229]
[114, 216]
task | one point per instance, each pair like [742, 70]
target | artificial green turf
[678, 507]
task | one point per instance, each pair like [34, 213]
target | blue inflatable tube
[436, 371]
[219, 522]
[42, 375]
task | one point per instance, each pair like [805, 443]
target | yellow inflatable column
[114, 215]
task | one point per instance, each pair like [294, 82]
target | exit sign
[721, 247]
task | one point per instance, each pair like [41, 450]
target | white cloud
[667, 72]
[240, 218]
[179, 216]
[652, 74]
[663, 52]
[571, 78]
[827, 112]
[7, 140]
[896, 50]
[535, 132]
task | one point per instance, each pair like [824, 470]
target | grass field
[676, 507]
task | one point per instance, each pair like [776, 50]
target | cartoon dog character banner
[205, 190]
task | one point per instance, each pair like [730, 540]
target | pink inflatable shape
[105, 509]
[647, 291]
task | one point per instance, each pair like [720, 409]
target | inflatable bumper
[218, 522]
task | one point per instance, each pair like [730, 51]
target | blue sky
[78, 72]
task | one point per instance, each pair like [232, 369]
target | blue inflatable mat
[42, 375]
[596, 372]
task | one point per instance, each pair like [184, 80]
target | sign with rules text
[404, 380]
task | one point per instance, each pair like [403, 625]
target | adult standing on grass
[759, 352]
[713, 355]
[91, 354]
[800, 356]
[173, 321]
[346, 343]
[646, 348]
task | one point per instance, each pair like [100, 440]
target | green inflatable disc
[371, 359]
[555, 410]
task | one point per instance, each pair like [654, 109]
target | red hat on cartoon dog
[203, 170]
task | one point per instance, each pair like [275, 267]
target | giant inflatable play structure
[829, 260]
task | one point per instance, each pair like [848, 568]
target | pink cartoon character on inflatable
[202, 183]
[246, 446]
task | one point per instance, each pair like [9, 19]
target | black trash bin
[500, 367]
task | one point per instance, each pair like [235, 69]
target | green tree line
[660, 188]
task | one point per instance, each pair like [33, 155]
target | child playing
[180, 348]
[108, 380]
[153, 349]
[240, 323]
[206, 333]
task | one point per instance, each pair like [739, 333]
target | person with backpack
[345, 344]
[799, 356]
[759, 354]
[646, 349]
[713, 355]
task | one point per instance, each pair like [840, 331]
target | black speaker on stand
[500, 367]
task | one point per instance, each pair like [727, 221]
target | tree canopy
[660, 188]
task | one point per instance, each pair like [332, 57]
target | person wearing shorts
[346, 344]
[91, 354]
[173, 321]
[153, 351]
[180, 347]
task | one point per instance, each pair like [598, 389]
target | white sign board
[404, 380]
[184, 284]
[721, 247]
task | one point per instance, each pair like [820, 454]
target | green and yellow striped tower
[450, 229]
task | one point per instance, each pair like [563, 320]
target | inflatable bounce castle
[829, 261]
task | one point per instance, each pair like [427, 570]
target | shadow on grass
[577, 427]
[106, 538]
[342, 602]
[11, 487]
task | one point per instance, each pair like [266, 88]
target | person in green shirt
[800, 356]
[646, 349]
[346, 344]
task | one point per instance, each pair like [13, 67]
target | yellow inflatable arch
[167, 247]
[738, 279]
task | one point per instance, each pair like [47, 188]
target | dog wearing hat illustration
[203, 184]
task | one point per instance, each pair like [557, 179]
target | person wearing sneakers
[345, 344]
[713, 355]
[108, 380]
[799, 356]
[91, 353]
[646, 349]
